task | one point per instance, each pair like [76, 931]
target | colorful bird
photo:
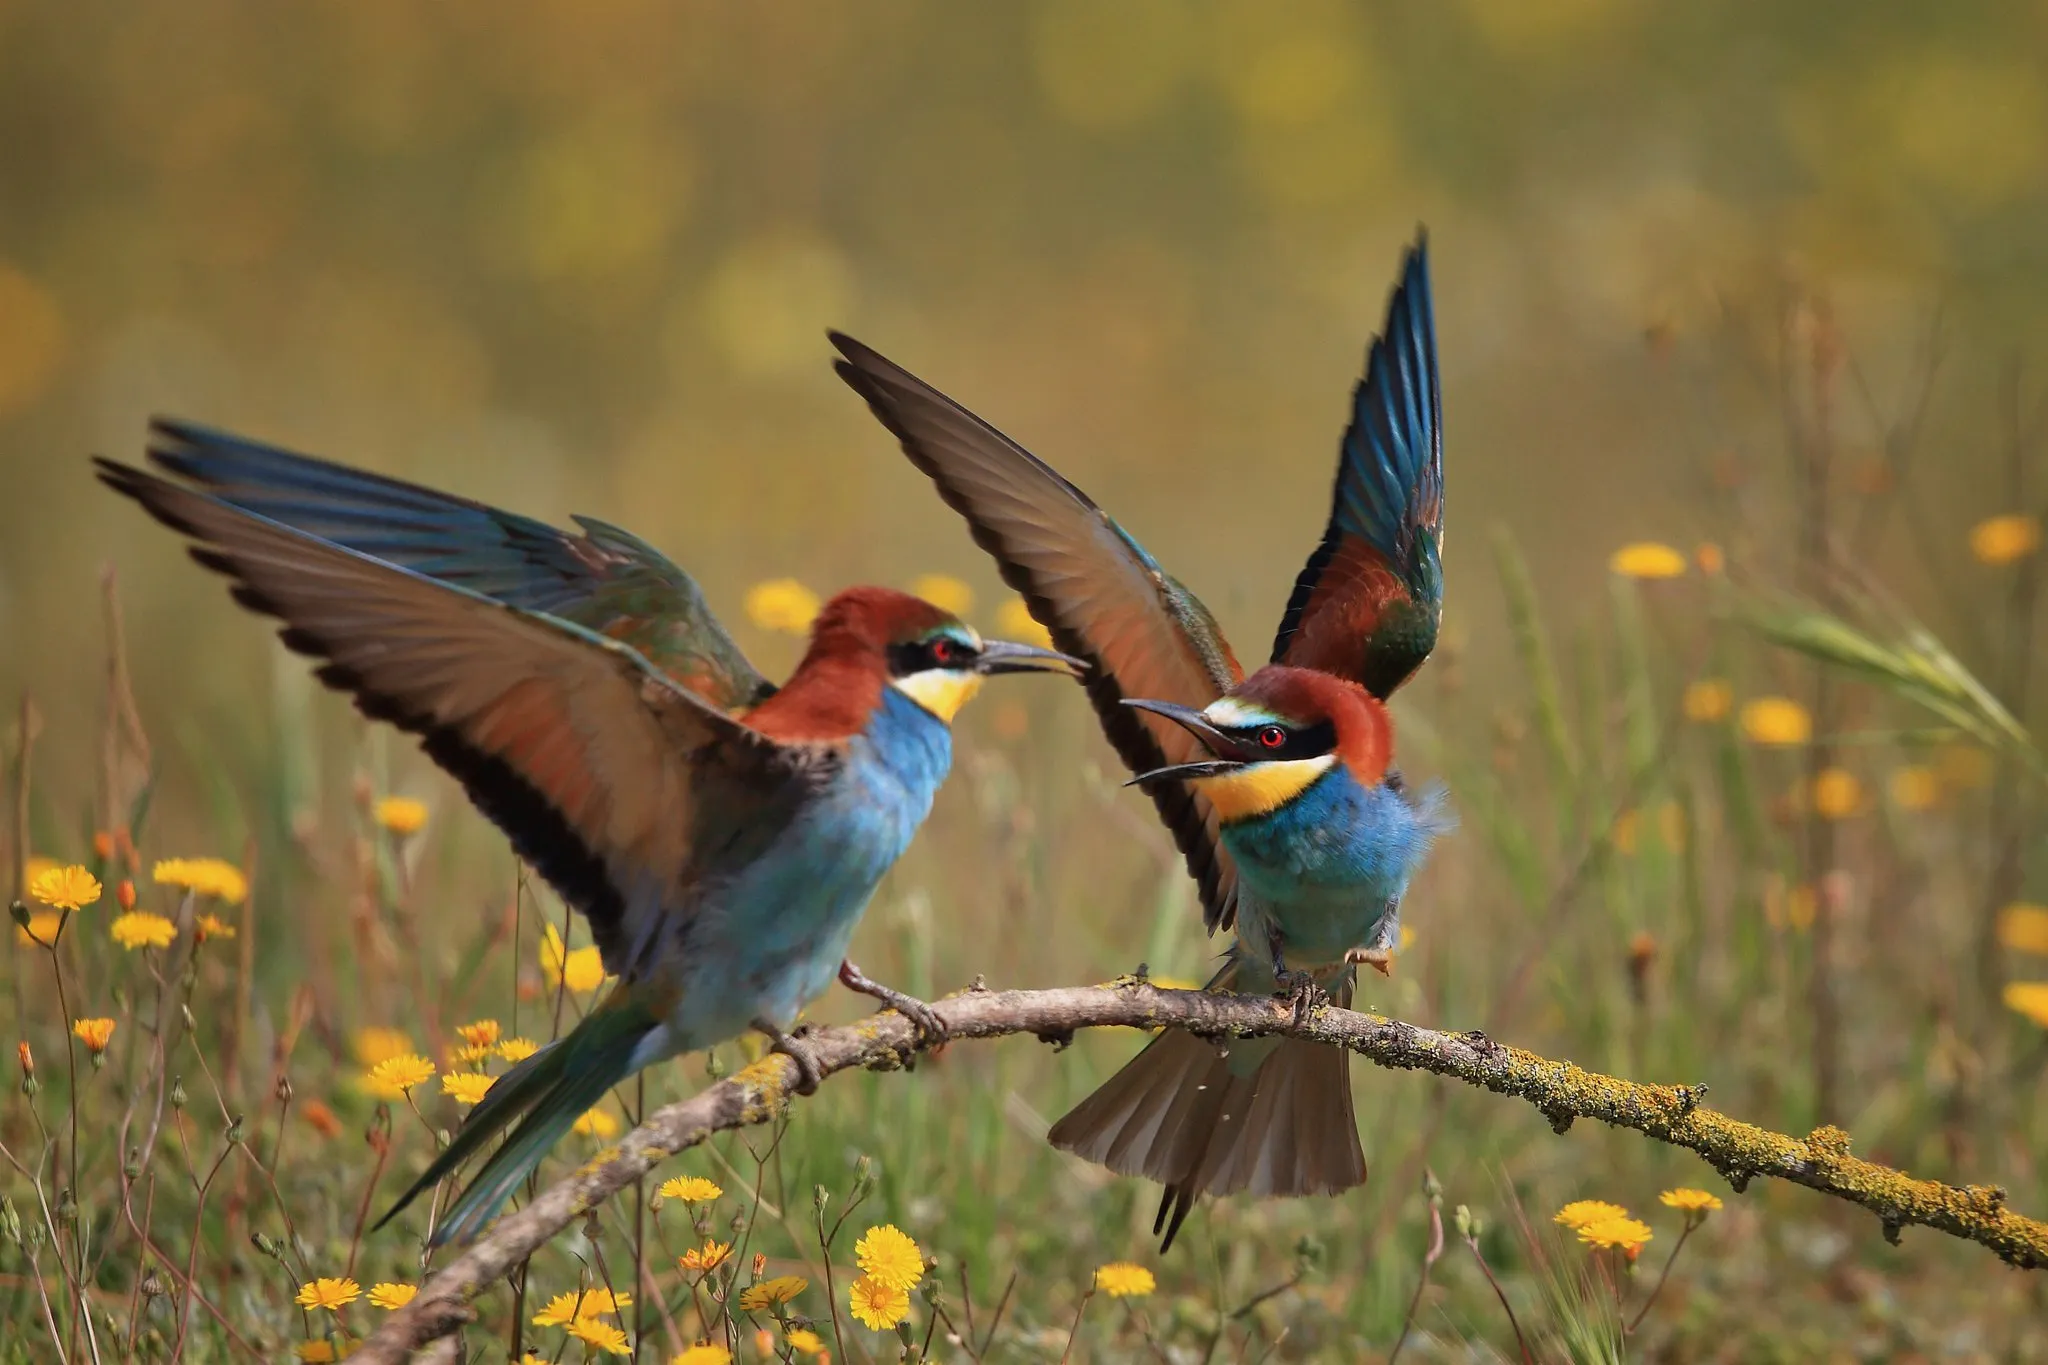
[1279, 788]
[721, 835]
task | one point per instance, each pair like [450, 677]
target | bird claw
[931, 1030]
[1302, 990]
[809, 1073]
[1379, 959]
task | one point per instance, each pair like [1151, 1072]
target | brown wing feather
[605, 773]
[1098, 592]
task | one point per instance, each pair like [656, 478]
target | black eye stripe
[917, 656]
[1307, 741]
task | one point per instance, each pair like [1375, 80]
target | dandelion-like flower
[691, 1189]
[704, 1353]
[1580, 1212]
[1690, 1201]
[1647, 559]
[564, 1309]
[1707, 700]
[374, 1045]
[94, 1033]
[582, 970]
[1915, 787]
[1623, 1234]
[888, 1257]
[707, 1257]
[483, 1033]
[2005, 539]
[2024, 928]
[2029, 998]
[65, 888]
[389, 1296]
[469, 1055]
[600, 1334]
[26, 1057]
[876, 1306]
[597, 1123]
[41, 929]
[517, 1049]
[782, 604]
[1122, 1280]
[945, 592]
[1837, 794]
[140, 929]
[331, 1294]
[1777, 721]
[393, 1077]
[211, 926]
[400, 815]
[805, 1342]
[1014, 621]
[468, 1087]
[757, 1297]
[215, 877]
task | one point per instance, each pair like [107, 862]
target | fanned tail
[1179, 1114]
[551, 1089]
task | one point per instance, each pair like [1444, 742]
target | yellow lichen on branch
[1562, 1091]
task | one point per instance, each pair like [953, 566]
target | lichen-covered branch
[1562, 1091]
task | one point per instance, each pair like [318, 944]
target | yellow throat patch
[1259, 788]
[941, 691]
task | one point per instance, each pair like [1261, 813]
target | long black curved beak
[1007, 656]
[1231, 753]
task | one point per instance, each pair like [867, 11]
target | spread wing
[1368, 603]
[607, 775]
[605, 580]
[1084, 578]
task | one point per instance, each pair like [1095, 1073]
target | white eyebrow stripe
[1231, 713]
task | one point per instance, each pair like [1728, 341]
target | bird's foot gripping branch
[1561, 1091]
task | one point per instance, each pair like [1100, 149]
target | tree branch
[1562, 1091]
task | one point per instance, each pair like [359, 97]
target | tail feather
[1179, 1114]
[546, 1093]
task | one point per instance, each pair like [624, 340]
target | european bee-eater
[1279, 787]
[721, 835]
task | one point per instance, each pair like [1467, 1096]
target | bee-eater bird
[721, 835]
[1279, 788]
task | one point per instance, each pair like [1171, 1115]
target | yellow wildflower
[374, 1045]
[391, 1078]
[41, 928]
[215, 877]
[1915, 788]
[2005, 539]
[1580, 1212]
[483, 1033]
[704, 1353]
[602, 1335]
[597, 1123]
[875, 1305]
[211, 926]
[2029, 998]
[389, 1296]
[691, 1189]
[2024, 928]
[1837, 794]
[470, 1056]
[1625, 1234]
[1122, 1280]
[328, 1293]
[564, 1309]
[140, 929]
[517, 1049]
[890, 1258]
[768, 1293]
[1690, 1201]
[945, 592]
[782, 604]
[707, 1257]
[1776, 720]
[400, 815]
[65, 888]
[1647, 559]
[805, 1341]
[582, 970]
[467, 1087]
[1707, 700]
[94, 1033]
[1014, 621]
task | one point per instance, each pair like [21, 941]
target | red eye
[943, 652]
[1272, 737]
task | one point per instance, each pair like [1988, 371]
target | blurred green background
[579, 257]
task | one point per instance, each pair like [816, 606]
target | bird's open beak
[1007, 656]
[1231, 753]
